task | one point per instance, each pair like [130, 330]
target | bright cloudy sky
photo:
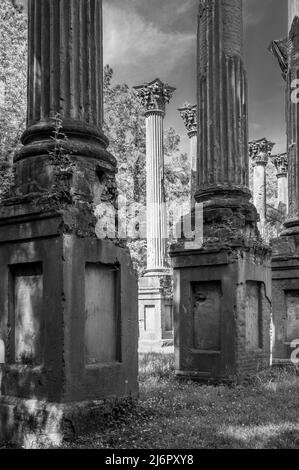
[145, 39]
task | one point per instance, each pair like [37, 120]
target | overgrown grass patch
[181, 415]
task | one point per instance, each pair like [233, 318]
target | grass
[171, 414]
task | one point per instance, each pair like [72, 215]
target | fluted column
[292, 79]
[65, 81]
[281, 165]
[259, 151]
[65, 61]
[154, 97]
[189, 116]
[222, 101]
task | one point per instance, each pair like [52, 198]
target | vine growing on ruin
[61, 161]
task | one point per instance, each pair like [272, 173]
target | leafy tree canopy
[13, 76]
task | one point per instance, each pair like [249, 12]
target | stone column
[189, 116]
[260, 151]
[222, 290]
[155, 313]
[68, 305]
[65, 86]
[292, 78]
[154, 97]
[222, 101]
[287, 53]
[281, 165]
[285, 249]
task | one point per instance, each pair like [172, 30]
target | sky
[146, 39]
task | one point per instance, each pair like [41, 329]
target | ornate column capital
[260, 151]
[189, 115]
[279, 49]
[281, 164]
[154, 95]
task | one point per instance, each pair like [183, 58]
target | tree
[13, 79]
[125, 126]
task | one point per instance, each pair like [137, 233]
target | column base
[68, 310]
[222, 313]
[157, 272]
[155, 312]
[39, 424]
[285, 293]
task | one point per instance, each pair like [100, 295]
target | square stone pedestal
[285, 295]
[69, 322]
[222, 313]
[155, 313]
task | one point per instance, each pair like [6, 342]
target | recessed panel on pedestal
[27, 302]
[168, 321]
[101, 310]
[150, 318]
[206, 315]
[292, 325]
[253, 316]
[2, 352]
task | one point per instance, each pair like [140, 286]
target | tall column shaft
[65, 87]
[65, 61]
[222, 99]
[155, 196]
[282, 190]
[281, 163]
[154, 96]
[193, 164]
[189, 116]
[259, 191]
[193, 151]
[292, 78]
[260, 151]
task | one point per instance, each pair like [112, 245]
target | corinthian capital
[260, 151]
[281, 164]
[279, 49]
[155, 95]
[189, 116]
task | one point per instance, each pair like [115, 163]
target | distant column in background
[155, 304]
[189, 116]
[154, 97]
[281, 165]
[260, 151]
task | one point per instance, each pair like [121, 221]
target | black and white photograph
[149, 229]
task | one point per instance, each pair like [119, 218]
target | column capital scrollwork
[189, 115]
[154, 95]
[260, 151]
[281, 164]
[279, 49]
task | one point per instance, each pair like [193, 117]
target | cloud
[253, 13]
[166, 15]
[140, 50]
